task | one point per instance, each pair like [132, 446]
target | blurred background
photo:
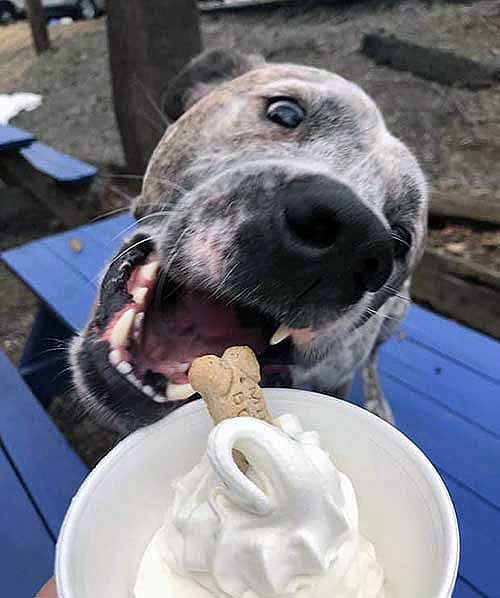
[433, 67]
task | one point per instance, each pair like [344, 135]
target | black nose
[327, 227]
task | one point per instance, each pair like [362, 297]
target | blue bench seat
[58, 166]
[12, 138]
[39, 474]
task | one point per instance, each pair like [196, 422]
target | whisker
[133, 246]
[136, 223]
[152, 102]
[151, 121]
[121, 193]
[109, 213]
[61, 373]
[402, 241]
[138, 177]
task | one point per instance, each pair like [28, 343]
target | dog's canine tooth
[124, 367]
[139, 295]
[119, 335]
[179, 392]
[148, 390]
[281, 334]
[149, 271]
[139, 318]
[115, 357]
[157, 398]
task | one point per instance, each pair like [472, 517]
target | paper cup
[405, 509]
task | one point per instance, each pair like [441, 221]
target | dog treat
[229, 385]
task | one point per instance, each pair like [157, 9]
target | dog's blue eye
[285, 113]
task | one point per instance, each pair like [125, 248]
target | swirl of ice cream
[289, 527]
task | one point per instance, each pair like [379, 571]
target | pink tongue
[197, 325]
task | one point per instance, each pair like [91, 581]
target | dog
[276, 212]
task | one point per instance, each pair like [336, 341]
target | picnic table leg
[44, 364]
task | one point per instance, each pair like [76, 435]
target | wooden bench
[442, 380]
[59, 181]
[39, 474]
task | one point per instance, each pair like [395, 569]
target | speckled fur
[216, 169]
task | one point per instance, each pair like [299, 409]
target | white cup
[405, 509]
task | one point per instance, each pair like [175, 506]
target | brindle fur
[217, 166]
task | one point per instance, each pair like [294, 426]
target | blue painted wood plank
[472, 395]
[59, 166]
[109, 229]
[48, 466]
[63, 279]
[464, 590]
[479, 524]
[464, 345]
[89, 262]
[67, 292]
[12, 138]
[27, 550]
[452, 443]
[112, 232]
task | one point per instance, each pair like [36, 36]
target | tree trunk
[38, 24]
[149, 42]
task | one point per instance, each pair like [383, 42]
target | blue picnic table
[60, 182]
[39, 474]
[442, 381]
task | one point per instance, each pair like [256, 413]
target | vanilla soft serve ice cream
[288, 527]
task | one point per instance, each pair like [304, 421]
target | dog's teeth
[138, 320]
[159, 398]
[148, 390]
[179, 392]
[119, 335]
[280, 335]
[139, 295]
[124, 367]
[149, 271]
[134, 380]
[115, 357]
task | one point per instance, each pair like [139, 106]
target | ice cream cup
[405, 509]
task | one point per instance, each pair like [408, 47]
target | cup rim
[447, 510]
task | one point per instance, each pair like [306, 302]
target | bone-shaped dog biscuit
[230, 384]
[230, 387]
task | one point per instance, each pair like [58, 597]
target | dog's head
[276, 201]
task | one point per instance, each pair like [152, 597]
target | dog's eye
[401, 239]
[285, 112]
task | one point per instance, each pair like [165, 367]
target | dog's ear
[201, 75]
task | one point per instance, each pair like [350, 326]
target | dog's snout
[373, 266]
[327, 226]
[312, 222]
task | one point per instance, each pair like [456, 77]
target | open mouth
[159, 327]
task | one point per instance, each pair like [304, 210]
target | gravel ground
[454, 132]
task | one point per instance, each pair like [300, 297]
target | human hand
[48, 590]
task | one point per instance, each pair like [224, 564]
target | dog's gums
[161, 328]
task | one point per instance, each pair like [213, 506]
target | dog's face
[277, 201]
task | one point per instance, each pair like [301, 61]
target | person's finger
[48, 590]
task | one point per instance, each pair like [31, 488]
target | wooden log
[40, 35]
[457, 288]
[149, 42]
[433, 64]
[467, 206]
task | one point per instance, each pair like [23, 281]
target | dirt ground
[454, 132]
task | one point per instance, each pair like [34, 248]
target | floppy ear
[201, 75]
